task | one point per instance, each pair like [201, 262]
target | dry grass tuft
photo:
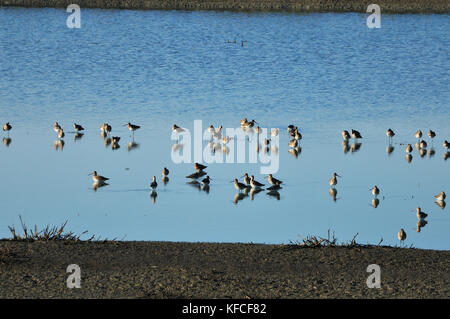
[46, 234]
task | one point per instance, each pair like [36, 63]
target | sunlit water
[322, 72]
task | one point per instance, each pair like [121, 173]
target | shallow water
[322, 72]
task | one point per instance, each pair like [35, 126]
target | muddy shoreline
[387, 6]
[209, 270]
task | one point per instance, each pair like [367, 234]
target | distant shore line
[387, 6]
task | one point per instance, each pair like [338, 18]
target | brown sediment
[211, 270]
[387, 6]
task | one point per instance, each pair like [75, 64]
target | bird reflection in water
[295, 151]
[446, 155]
[390, 149]
[441, 203]
[431, 152]
[58, 145]
[273, 193]
[77, 136]
[420, 223]
[195, 184]
[252, 192]
[333, 193]
[375, 202]
[177, 147]
[238, 197]
[153, 195]
[132, 145]
[345, 146]
[97, 185]
[408, 158]
[7, 141]
[356, 146]
[165, 180]
[422, 152]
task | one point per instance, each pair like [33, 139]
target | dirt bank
[387, 6]
[207, 270]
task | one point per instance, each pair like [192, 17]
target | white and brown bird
[132, 127]
[165, 172]
[345, 135]
[97, 178]
[401, 235]
[56, 127]
[441, 196]
[356, 134]
[153, 184]
[199, 167]
[274, 132]
[420, 214]
[273, 181]
[7, 127]
[423, 144]
[418, 134]
[177, 129]
[246, 179]
[239, 186]
[78, 127]
[206, 180]
[243, 121]
[446, 144]
[375, 191]
[390, 133]
[408, 148]
[333, 180]
[254, 183]
[61, 134]
[293, 143]
[431, 134]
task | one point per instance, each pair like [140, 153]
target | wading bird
[333, 180]
[7, 127]
[61, 134]
[418, 134]
[97, 178]
[408, 148]
[153, 184]
[375, 191]
[177, 129]
[420, 214]
[165, 172]
[390, 133]
[356, 134]
[255, 184]
[56, 127]
[199, 167]
[77, 127]
[345, 135]
[273, 181]
[441, 196]
[401, 235]
[431, 134]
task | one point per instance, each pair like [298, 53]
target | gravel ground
[387, 6]
[209, 270]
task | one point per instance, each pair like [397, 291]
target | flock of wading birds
[250, 185]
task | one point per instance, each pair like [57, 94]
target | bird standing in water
[375, 191]
[345, 135]
[7, 127]
[77, 127]
[97, 178]
[418, 134]
[153, 184]
[199, 167]
[390, 133]
[333, 180]
[356, 134]
[401, 235]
